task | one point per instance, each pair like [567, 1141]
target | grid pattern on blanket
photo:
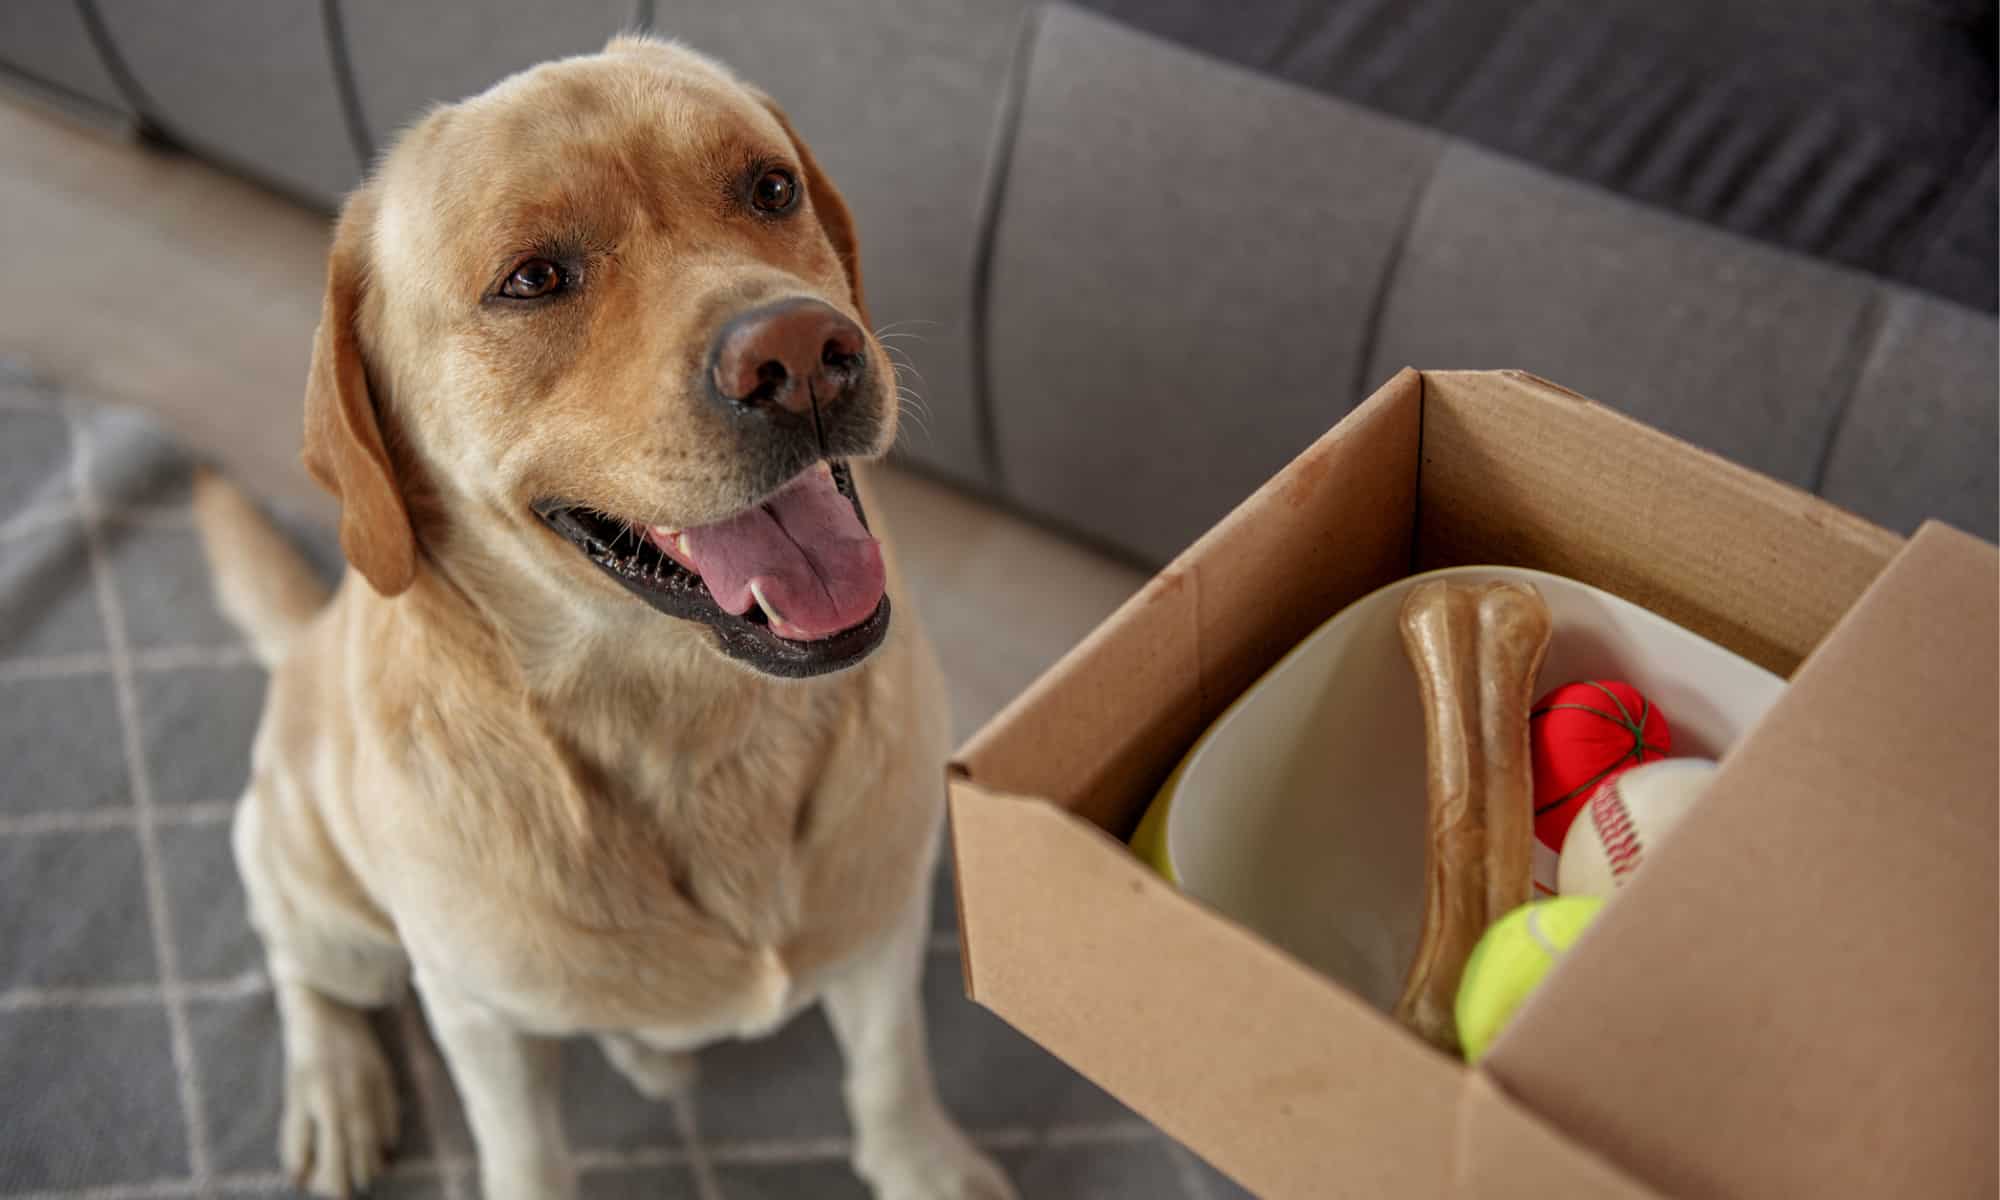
[139, 1053]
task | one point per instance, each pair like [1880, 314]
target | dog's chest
[729, 830]
[658, 885]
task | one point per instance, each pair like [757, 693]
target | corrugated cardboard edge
[967, 977]
[1855, 1006]
[1505, 1152]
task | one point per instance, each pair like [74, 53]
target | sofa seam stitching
[1390, 272]
[986, 234]
[1869, 327]
[340, 64]
[113, 60]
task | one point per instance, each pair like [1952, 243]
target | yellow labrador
[610, 728]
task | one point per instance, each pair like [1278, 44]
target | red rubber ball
[1582, 734]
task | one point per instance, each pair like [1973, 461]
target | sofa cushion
[46, 40]
[406, 57]
[247, 81]
[1957, 258]
[1184, 273]
[1919, 435]
[1838, 128]
[1845, 129]
[1731, 345]
[1408, 58]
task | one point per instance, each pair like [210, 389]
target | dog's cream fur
[485, 768]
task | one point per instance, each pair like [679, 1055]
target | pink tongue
[803, 549]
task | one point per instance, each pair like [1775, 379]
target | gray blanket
[139, 1050]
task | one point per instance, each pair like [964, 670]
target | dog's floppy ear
[344, 450]
[829, 208]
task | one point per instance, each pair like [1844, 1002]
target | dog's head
[601, 328]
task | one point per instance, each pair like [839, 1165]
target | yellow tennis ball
[1508, 964]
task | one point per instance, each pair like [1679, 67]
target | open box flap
[1797, 996]
[1302, 1088]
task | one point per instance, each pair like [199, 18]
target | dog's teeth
[770, 610]
[674, 538]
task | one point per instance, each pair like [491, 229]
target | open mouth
[793, 586]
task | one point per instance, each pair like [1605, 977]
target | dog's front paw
[930, 1160]
[340, 1119]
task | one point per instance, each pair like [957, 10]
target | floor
[146, 278]
[157, 283]
[1002, 599]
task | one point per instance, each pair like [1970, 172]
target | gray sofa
[1138, 278]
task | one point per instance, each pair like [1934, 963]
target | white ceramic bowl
[1301, 812]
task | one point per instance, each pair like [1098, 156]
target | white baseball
[1626, 819]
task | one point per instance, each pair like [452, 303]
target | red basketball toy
[1582, 734]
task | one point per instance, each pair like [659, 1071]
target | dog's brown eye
[775, 191]
[532, 280]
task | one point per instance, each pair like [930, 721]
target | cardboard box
[1797, 996]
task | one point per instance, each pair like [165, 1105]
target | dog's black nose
[793, 355]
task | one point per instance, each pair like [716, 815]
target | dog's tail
[263, 584]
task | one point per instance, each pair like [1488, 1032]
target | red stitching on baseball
[1613, 822]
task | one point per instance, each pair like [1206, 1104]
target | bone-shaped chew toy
[1476, 649]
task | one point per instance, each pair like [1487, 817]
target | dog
[618, 723]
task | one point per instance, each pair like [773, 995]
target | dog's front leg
[507, 1080]
[905, 1145]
